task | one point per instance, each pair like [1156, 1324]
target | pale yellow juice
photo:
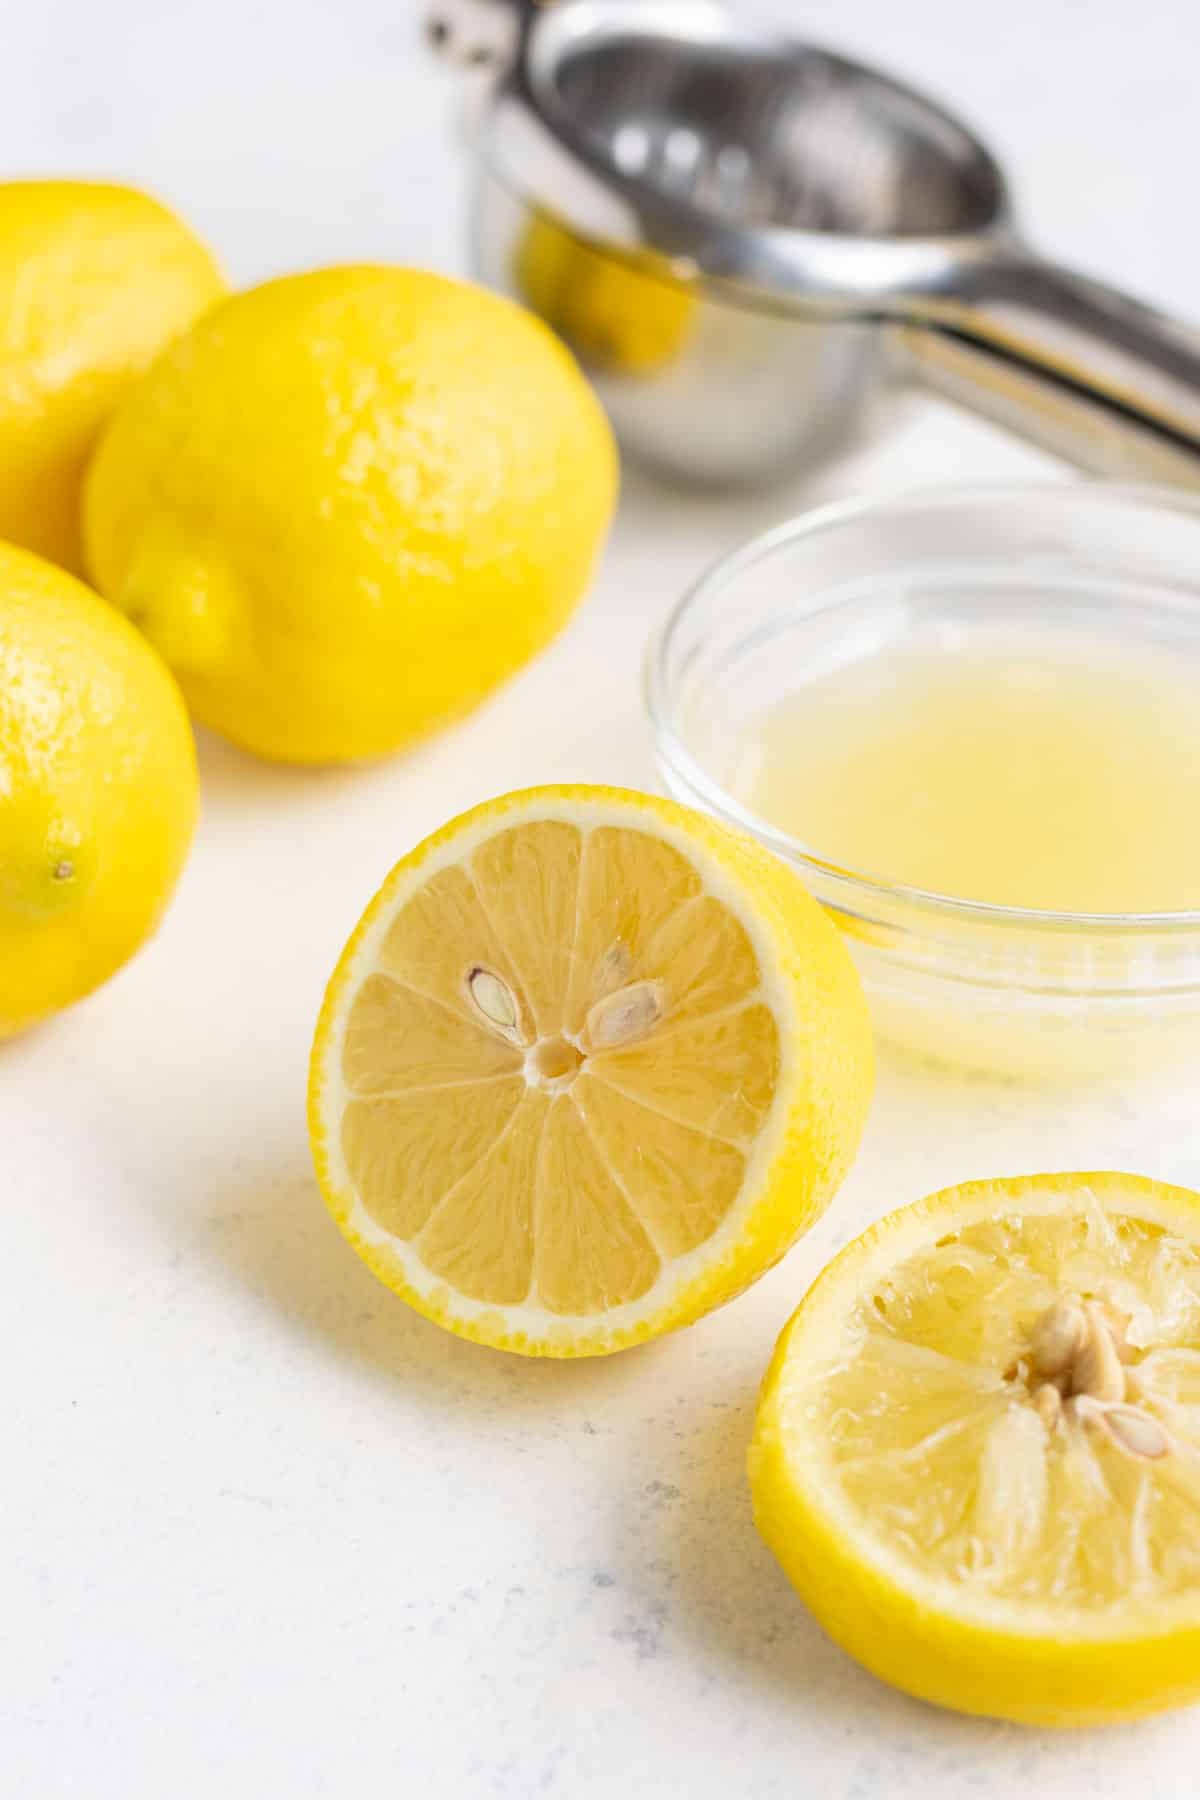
[1023, 767]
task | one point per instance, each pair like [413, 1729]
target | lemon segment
[977, 1452]
[588, 1065]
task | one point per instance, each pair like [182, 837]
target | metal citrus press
[742, 236]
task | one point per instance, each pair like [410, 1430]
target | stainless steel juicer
[740, 235]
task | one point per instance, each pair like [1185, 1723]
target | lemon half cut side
[589, 1065]
[977, 1452]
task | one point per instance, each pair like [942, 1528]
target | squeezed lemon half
[588, 1065]
[977, 1452]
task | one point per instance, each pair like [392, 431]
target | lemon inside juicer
[741, 235]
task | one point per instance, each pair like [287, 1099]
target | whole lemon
[94, 281]
[98, 789]
[347, 504]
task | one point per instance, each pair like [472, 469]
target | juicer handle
[1080, 369]
[478, 34]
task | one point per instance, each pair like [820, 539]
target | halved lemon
[588, 1066]
[977, 1452]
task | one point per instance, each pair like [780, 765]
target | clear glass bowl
[974, 984]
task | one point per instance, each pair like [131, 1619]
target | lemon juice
[1022, 767]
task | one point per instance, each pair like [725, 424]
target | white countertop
[266, 1533]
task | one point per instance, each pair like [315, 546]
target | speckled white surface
[265, 1533]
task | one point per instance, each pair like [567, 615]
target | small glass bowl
[973, 984]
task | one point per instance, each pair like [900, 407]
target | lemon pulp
[558, 1085]
[953, 1462]
[640, 1152]
[1020, 766]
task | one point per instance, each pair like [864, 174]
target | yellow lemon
[977, 1452]
[348, 504]
[623, 317]
[94, 281]
[97, 789]
[587, 1067]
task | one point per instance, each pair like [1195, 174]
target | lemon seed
[1136, 1432]
[625, 1016]
[495, 1000]
[1058, 1337]
[1097, 1370]
[614, 968]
